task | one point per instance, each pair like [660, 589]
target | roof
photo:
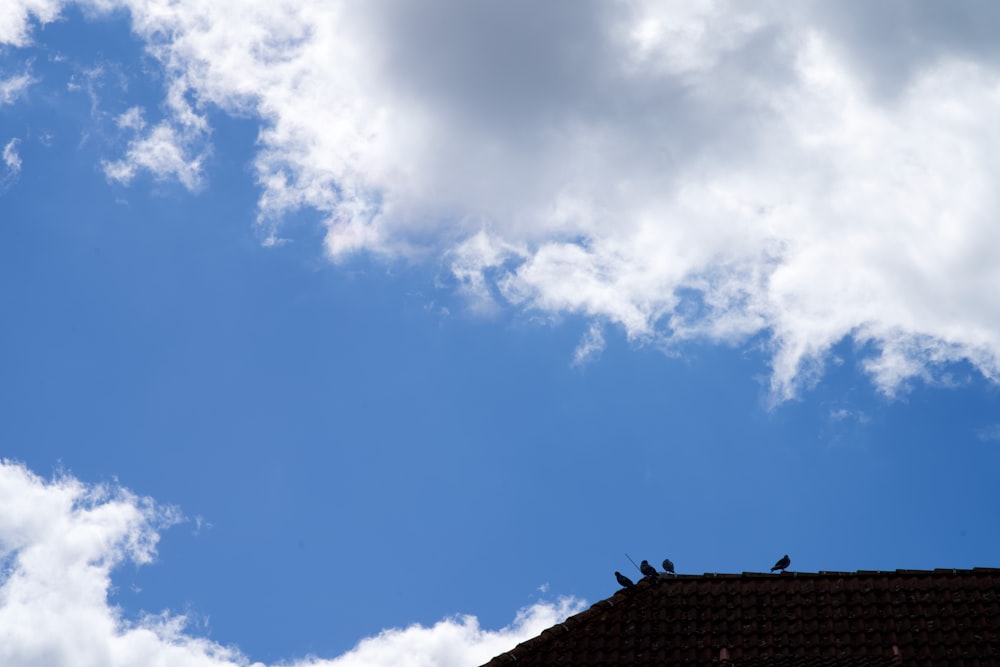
[905, 617]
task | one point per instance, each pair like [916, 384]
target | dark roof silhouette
[942, 618]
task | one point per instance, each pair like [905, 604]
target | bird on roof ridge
[668, 565]
[782, 564]
[623, 580]
[647, 569]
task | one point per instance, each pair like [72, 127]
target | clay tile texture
[907, 617]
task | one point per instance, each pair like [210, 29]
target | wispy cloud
[989, 433]
[14, 87]
[590, 346]
[201, 524]
[11, 162]
[60, 539]
[685, 171]
[847, 415]
[164, 153]
[175, 148]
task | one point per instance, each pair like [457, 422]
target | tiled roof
[906, 617]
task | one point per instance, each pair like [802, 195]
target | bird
[623, 580]
[668, 565]
[782, 564]
[647, 569]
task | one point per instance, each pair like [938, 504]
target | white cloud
[590, 347]
[458, 642]
[16, 15]
[684, 170]
[472, 259]
[14, 87]
[132, 119]
[11, 158]
[164, 152]
[59, 542]
[174, 148]
[846, 415]
[12, 163]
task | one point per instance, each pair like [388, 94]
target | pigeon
[624, 581]
[782, 564]
[647, 569]
[668, 565]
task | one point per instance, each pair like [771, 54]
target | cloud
[164, 152]
[14, 87]
[60, 539]
[12, 163]
[989, 433]
[457, 642]
[846, 415]
[132, 119]
[172, 149]
[682, 170]
[590, 346]
[16, 17]
[11, 159]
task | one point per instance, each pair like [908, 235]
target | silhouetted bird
[782, 564]
[647, 569]
[623, 580]
[668, 565]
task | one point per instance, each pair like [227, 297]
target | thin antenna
[633, 563]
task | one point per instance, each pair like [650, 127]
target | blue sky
[338, 335]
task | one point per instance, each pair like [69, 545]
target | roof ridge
[831, 573]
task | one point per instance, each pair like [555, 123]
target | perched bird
[647, 569]
[623, 580]
[782, 564]
[668, 565]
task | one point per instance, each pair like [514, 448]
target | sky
[382, 333]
